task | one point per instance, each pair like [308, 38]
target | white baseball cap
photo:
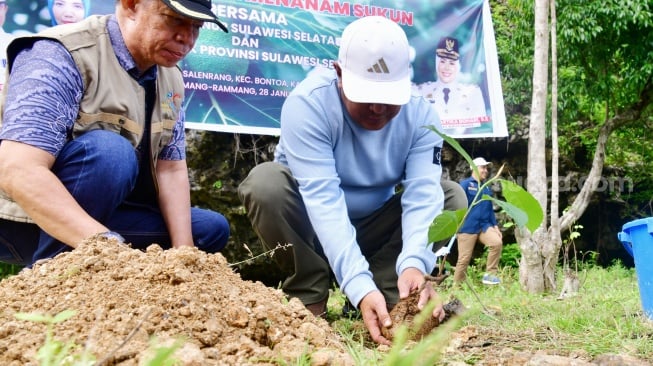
[480, 162]
[374, 57]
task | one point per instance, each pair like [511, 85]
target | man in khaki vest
[92, 139]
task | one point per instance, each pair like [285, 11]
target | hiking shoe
[489, 279]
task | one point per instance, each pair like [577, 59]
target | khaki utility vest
[112, 99]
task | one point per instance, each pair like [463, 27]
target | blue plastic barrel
[637, 237]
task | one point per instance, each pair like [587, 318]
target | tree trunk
[531, 272]
[552, 246]
[535, 248]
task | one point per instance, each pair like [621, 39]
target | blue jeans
[100, 170]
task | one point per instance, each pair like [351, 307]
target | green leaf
[63, 316]
[34, 317]
[164, 355]
[446, 225]
[517, 214]
[46, 318]
[520, 203]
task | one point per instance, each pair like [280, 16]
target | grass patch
[605, 317]
[7, 269]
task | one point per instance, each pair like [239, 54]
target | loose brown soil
[122, 295]
[128, 302]
[406, 312]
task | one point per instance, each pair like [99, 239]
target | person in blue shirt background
[349, 136]
[479, 225]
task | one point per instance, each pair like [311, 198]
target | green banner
[237, 81]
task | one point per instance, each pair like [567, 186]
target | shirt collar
[122, 53]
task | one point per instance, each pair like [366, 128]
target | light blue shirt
[346, 172]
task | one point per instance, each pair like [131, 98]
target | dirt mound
[124, 297]
[406, 312]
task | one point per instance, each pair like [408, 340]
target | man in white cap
[349, 136]
[92, 139]
[479, 225]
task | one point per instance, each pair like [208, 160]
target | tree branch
[628, 116]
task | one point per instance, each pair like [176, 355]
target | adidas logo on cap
[379, 67]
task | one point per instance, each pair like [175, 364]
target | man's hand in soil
[375, 315]
[413, 279]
